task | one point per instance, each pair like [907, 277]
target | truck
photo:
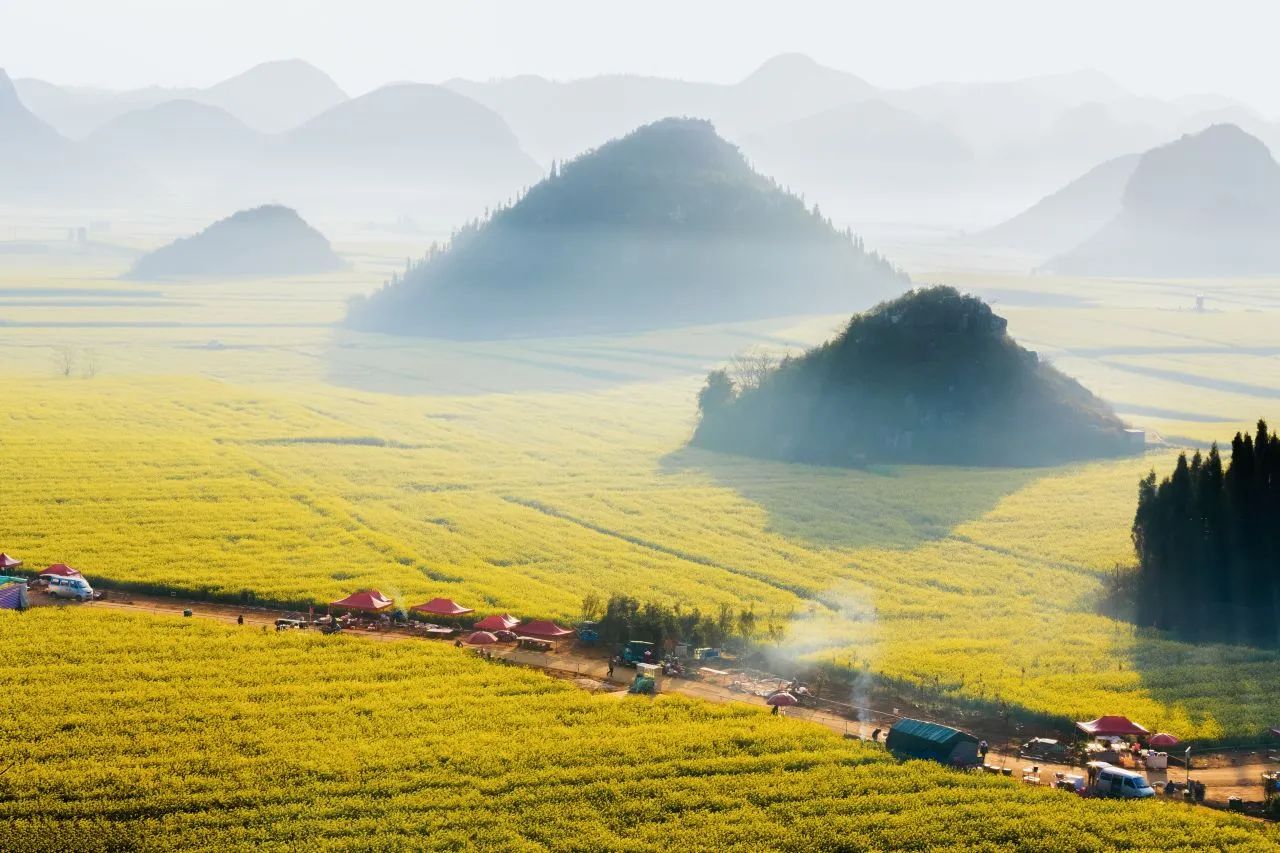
[634, 652]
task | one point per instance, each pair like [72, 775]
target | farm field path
[1242, 780]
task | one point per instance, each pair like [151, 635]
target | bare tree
[749, 369]
[65, 359]
[90, 364]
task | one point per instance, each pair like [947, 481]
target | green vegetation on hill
[666, 226]
[929, 377]
[1209, 544]
[267, 240]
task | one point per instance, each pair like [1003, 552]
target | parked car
[77, 589]
[1118, 782]
[1046, 749]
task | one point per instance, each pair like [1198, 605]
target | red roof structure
[543, 630]
[61, 570]
[366, 600]
[442, 607]
[1162, 739]
[505, 622]
[7, 562]
[1111, 725]
[481, 638]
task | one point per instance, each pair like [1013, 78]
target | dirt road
[589, 668]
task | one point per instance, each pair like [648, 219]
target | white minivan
[75, 588]
[1118, 782]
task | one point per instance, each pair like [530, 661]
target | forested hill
[1208, 542]
[666, 226]
[267, 240]
[929, 377]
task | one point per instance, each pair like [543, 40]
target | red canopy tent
[1111, 725]
[505, 622]
[542, 630]
[442, 607]
[366, 600]
[1162, 739]
[481, 638]
[7, 562]
[60, 570]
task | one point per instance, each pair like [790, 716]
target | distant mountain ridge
[667, 225]
[1207, 204]
[929, 377]
[267, 240]
[270, 97]
[1072, 214]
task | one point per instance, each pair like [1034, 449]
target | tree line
[1208, 544]
[622, 618]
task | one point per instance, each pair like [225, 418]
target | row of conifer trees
[1208, 544]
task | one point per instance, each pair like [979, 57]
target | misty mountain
[930, 377]
[270, 97]
[1086, 135]
[183, 150]
[1070, 215]
[37, 164]
[555, 120]
[404, 141]
[185, 131]
[1207, 204]
[267, 240]
[21, 132]
[275, 96]
[666, 226]
[861, 146]
[789, 87]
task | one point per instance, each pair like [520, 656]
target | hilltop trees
[1208, 543]
[666, 226]
[929, 377]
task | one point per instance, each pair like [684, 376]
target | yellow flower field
[154, 733]
[238, 444]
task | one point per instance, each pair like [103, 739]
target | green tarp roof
[932, 732]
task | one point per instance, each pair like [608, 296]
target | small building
[933, 741]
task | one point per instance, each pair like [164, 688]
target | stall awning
[367, 600]
[61, 570]
[1111, 725]
[442, 607]
[543, 630]
[505, 622]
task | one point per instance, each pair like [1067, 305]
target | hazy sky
[1162, 47]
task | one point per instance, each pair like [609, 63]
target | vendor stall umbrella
[782, 700]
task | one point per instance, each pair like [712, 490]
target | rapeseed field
[239, 446]
[158, 733]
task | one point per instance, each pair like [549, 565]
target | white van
[75, 588]
[1118, 782]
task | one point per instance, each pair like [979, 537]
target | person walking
[983, 748]
[612, 661]
[240, 619]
